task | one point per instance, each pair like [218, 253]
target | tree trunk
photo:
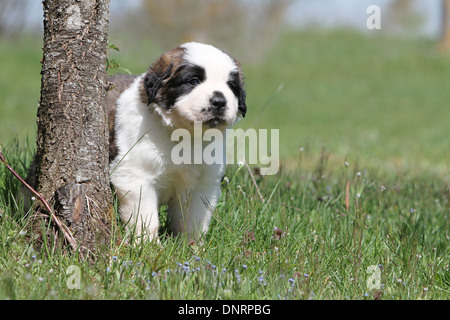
[445, 41]
[72, 138]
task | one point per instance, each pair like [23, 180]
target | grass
[378, 99]
[20, 81]
[369, 187]
[303, 242]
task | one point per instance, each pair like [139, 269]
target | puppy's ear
[242, 107]
[153, 81]
[242, 95]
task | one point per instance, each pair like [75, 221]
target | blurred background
[313, 70]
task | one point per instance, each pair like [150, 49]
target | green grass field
[370, 115]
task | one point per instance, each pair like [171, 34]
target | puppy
[192, 83]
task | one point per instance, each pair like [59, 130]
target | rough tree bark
[72, 139]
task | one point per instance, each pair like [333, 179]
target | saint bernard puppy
[192, 83]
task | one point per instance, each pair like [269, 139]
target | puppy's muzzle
[218, 102]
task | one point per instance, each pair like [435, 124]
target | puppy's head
[196, 82]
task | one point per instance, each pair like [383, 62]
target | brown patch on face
[159, 73]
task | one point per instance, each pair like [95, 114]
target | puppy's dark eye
[194, 82]
[231, 84]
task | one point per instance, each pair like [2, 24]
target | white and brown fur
[194, 82]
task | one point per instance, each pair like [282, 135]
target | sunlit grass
[304, 241]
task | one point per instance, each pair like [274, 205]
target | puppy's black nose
[218, 100]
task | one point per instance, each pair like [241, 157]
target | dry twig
[64, 229]
[254, 182]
